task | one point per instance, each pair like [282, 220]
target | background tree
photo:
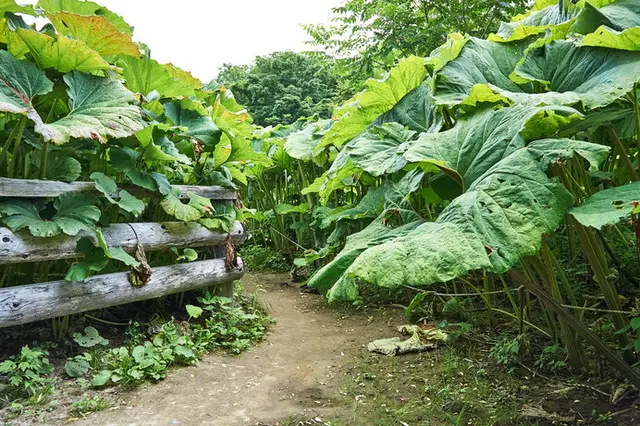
[282, 87]
[368, 36]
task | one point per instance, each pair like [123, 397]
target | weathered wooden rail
[39, 301]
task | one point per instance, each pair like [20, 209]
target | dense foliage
[81, 101]
[282, 87]
[476, 160]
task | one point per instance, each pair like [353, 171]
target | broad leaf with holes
[100, 108]
[85, 8]
[196, 208]
[74, 213]
[609, 207]
[97, 32]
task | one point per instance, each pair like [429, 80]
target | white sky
[200, 35]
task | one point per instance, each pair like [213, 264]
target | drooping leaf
[370, 206]
[223, 219]
[85, 8]
[500, 219]
[379, 97]
[97, 32]
[194, 210]
[75, 213]
[608, 207]
[108, 187]
[416, 111]
[374, 234]
[99, 108]
[20, 82]
[628, 39]
[115, 253]
[617, 15]
[196, 126]
[12, 7]
[94, 260]
[65, 169]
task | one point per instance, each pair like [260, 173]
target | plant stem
[613, 136]
[16, 146]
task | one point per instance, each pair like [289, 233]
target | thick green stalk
[624, 156]
[627, 371]
[16, 146]
[598, 261]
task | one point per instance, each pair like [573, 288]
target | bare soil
[296, 371]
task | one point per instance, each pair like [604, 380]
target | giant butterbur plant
[513, 133]
[79, 100]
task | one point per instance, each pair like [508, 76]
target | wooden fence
[33, 302]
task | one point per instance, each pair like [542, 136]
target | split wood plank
[33, 188]
[36, 302]
[22, 247]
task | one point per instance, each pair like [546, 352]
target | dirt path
[296, 371]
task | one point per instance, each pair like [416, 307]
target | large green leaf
[379, 97]
[97, 32]
[86, 8]
[61, 53]
[592, 76]
[480, 140]
[146, 75]
[20, 82]
[479, 62]
[200, 127]
[373, 235]
[194, 210]
[99, 108]
[500, 219]
[75, 213]
[115, 253]
[379, 150]
[302, 144]
[628, 39]
[378, 231]
[538, 21]
[108, 187]
[415, 111]
[618, 15]
[609, 207]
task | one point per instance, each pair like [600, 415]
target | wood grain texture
[33, 188]
[22, 247]
[35, 302]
